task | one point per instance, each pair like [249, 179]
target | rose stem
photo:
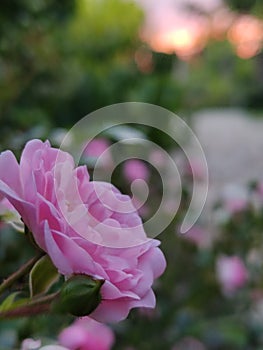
[24, 269]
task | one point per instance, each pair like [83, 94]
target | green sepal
[42, 276]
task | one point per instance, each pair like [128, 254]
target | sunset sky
[171, 27]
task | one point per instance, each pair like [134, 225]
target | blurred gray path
[233, 144]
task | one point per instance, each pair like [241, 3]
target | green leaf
[42, 276]
[8, 302]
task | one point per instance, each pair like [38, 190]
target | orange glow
[180, 39]
[248, 50]
[221, 21]
[185, 40]
[246, 34]
[175, 30]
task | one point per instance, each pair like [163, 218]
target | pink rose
[87, 334]
[85, 227]
[231, 273]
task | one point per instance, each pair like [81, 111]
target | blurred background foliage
[60, 60]
[253, 6]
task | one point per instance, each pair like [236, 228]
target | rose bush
[85, 227]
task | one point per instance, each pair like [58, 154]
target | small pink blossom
[196, 169]
[96, 147]
[85, 227]
[235, 205]
[198, 236]
[99, 148]
[135, 169]
[87, 334]
[235, 199]
[231, 273]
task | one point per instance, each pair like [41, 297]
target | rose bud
[80, 295]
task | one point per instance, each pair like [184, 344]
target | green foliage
[51, 66]
[42, 276]
[8, 301]
[243, 5]
[219, 78]
[61, 60]
[100, 28]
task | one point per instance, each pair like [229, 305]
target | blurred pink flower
[85, 227]
[195, 169]
[87, 334]
[96, 147]
[150, 314]
[135, 169]
[260, 190]
[231, 273]
[198, 236]
[137, 173]
[189, 343]
[30, 344]
[235, 205]
[235, 198]
[158, 158]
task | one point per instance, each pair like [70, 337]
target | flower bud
[80, 295]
